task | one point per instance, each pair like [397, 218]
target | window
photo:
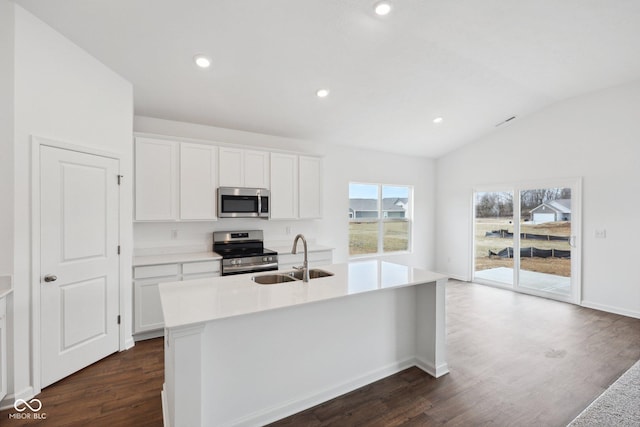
[379, 218]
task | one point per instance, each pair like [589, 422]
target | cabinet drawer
[201, 267]
[155, 271]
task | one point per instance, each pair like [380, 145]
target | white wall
[341, 165]
[63, 94]
[596, 137]
[6, 155]
[6, 137]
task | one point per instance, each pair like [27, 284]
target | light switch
[600, 234]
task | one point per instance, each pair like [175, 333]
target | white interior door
[78, 260]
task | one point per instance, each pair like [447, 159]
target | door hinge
[118, 319]
[120, 179]
[118, 249]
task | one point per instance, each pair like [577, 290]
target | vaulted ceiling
[474, 63]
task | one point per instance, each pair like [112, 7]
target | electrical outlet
[288, 230]
[600, 234]
[174, 234]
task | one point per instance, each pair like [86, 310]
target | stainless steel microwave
[243, 202]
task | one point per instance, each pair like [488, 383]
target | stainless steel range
[243, 252]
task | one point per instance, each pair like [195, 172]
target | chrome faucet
[305, 262]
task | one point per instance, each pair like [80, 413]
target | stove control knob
[265, 259]
[239, 261]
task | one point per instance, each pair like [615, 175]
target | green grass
[363, 237]
[560, 267]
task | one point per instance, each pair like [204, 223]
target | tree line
[500, 204]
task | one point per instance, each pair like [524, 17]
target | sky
[370, 191]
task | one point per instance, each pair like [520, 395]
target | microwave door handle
[259, 204]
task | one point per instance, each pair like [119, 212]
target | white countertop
[174, 258]
[201, 300]
[171, 258]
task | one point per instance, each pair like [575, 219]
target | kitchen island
[241, 353]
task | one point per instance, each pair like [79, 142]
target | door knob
[50, 278]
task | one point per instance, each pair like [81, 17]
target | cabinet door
[198, 181]
[148, 308]
[231, 167]
[310, 192]
[156, 180]
[284, 186]
[256, 169]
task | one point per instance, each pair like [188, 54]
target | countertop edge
[167, 288]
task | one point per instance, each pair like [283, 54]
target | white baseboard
[129, 343]
[9, 399]
[305, 402]
[611, 309]
[431, 369]
[165, 414]
[148, 335]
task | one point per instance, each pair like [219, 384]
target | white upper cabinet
[198, 181]
[156, 179]
[175, 180]
[310, 190]
[244, 168]
[284, 186]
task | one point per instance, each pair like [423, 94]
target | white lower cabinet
[147, 312]
[3, 347]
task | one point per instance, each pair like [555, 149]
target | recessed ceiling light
[322, 93]
[383, 8]
[202, 61]
[438, 120]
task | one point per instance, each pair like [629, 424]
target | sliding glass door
[494, 243]
[545, 240]
[525, 239]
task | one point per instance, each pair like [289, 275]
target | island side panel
[261, 367]
[431, 331]
[182, 390]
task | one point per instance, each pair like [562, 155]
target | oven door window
[240, 204]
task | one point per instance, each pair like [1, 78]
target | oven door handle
[236, 269]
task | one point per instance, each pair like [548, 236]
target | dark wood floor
[121, 390]
[515, 360]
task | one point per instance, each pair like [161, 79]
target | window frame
[381, 219]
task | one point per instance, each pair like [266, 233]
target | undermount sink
[290, 276]
[272, 279]
[314, 273]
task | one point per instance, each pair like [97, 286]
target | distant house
[392, 207]
[553, 210]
